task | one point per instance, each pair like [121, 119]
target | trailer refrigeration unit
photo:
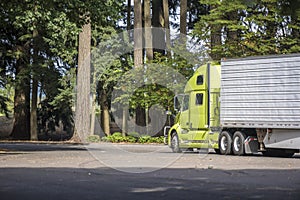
[244, 106]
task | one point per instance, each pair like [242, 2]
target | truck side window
[200, 80]
[185, 103]
[199, 99]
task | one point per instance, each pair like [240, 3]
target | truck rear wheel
[225, 143]
[238, 147]
[175, 143]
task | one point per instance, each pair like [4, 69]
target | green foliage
[132, 138]
[3, 105]
[4, 100]
[235, 28]
[94, 138]
[115, 138]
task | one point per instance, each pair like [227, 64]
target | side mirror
[176, 104]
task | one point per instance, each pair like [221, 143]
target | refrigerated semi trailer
[242, 106]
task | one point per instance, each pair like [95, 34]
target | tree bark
[128, 14]
[125, 108]
[183, 16]
[159, 43]
[138, 36]
[21, 126]
[148, 32]
[216, 41]
[124, 121]
[33, 113]
[93, 114]
[295, 20]
[34, 91]
[167, 26]
[105, 119]
[82, 110]
[138, 54]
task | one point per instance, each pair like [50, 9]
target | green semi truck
[242, 106]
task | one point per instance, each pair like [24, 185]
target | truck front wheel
[175, 143]
[225, 143]
[238, 147]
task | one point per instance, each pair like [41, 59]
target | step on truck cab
[242, 106]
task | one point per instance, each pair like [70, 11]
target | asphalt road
[106, 171]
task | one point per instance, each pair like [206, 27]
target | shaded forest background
[43, 43]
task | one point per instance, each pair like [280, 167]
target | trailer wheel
[175, 143]
[225, 143]
[238, 147]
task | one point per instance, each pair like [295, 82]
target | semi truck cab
[197, 122]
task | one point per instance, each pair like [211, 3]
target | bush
[132, 138]
[148, 139]
[93, 138]
[115, 138]
[144, 139]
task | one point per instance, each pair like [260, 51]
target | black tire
[225, 143]
[278, 153]
[175, 143]
[238, 147]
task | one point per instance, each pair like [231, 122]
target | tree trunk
[125, 108]
[295, 20]
[148, 33]
[138, 53]
[138, 36]
[159, 43]
[167, 26]
[183, 16]
[82, 110]
[21, 126]
[105, 119]
[34, 91]
[128, 14]
[93, 114]
[124, 121]
[157, 13]
[140, 119]
[33, 113]
[216, 41]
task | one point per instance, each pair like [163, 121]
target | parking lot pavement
[105, 171]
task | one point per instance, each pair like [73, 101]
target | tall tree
[82, 115]
[138, 56]
[20, 49]
[34, 91]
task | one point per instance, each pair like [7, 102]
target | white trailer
[260, 98]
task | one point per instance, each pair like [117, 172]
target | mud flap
[251, 145]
